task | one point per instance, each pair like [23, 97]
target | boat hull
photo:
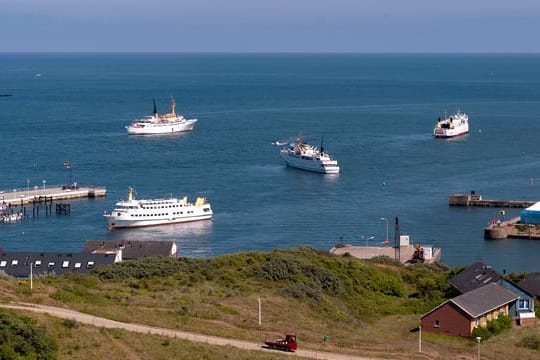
[450, 133]
[161, 128]
[117, 223]
[310, 165]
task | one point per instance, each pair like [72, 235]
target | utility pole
[396, 241]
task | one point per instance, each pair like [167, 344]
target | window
[37, 263]
[51, 264]
[3, 263]
[90, 265]
[77, 265]
[14, 262]
[523, 304]
[65, 264]
[436, 324]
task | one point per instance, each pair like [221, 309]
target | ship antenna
[322, 140]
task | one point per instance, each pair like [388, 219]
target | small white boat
[133, 213]
[303, 156]
[161, 124]
[10, 218]
[453, 125]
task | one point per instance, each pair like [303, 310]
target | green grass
[365, 307]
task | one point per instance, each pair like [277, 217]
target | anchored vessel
[453, 125]
[303, 156]
[161, 124]
[133, 213]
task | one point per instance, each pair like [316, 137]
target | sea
[374, 113]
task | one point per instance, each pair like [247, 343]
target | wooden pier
[31, 196]
[473, 199]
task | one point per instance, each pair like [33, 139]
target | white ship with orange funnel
[161, 124]
[133, 213]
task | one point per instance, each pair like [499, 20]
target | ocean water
[376, 113]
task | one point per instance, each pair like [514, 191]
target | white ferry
[161, 124]
[133, 213]
[306, 157]
[450, 126]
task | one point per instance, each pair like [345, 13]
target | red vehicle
[287, 344]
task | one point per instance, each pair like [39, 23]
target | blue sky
[402, 26]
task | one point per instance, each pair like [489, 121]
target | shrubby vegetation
[494, 327]
[22, 339]
[368, 290]
[530, 342]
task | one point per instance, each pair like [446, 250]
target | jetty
[474, 199]
[405, 252]
[21, 197]
[512, 228]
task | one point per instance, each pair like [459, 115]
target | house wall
[451, 320]
[514, 307]
[492, 315]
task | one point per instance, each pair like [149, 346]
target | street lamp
[386, 240]
[478, 339]
[368, 238]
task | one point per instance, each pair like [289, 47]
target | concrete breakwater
[512, 228]
[473, 199]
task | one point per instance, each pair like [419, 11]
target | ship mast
[155, 108]
[173, 105]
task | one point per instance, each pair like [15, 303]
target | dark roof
[133, 249]
[484, 299]
[531, 284]
[17, 264]
[475, 276]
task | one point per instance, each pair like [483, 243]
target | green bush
[493, 327]
[21, 338]
[481, 332]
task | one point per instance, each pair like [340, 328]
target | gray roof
[17, 264]
[484, 299]
[475, 276]
[133, 249]
[531, 284]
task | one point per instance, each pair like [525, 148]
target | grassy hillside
[367, 308]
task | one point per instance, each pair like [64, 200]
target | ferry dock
[20, 197]
[474, 199]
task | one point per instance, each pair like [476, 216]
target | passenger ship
[450, 126]
[303, 156]
[133, 213]
[161, 124]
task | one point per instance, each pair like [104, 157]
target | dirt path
[212, 340]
